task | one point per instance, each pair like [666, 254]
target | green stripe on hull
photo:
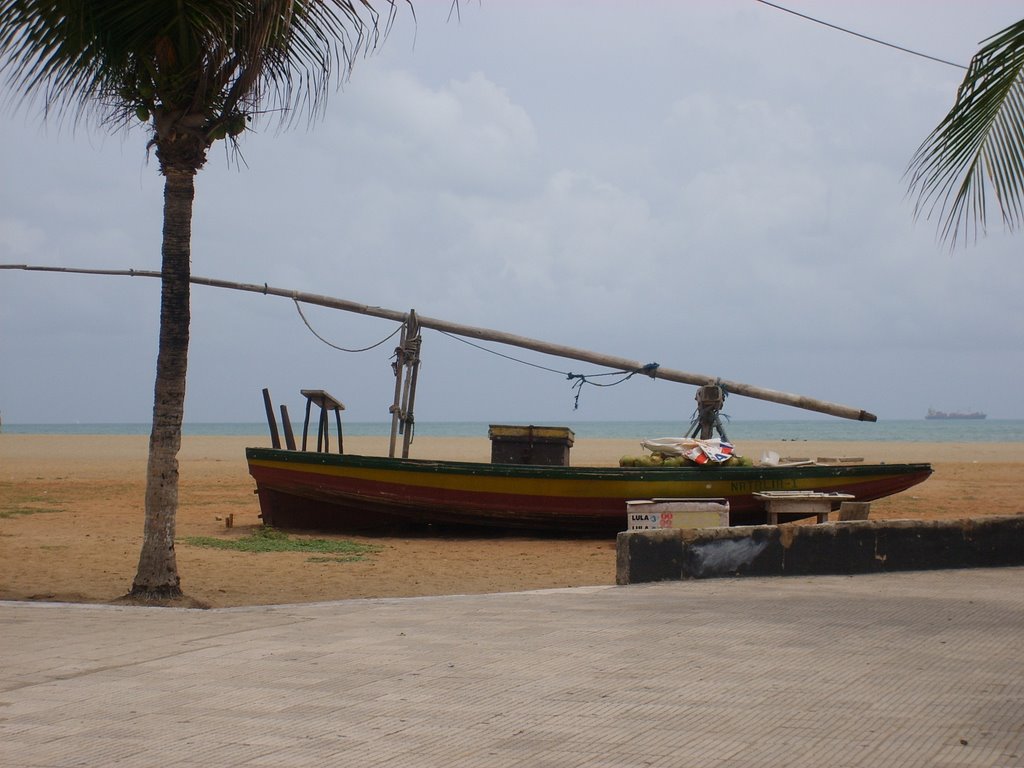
[504, 494]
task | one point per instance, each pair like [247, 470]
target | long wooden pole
[396, 404]
[500, 337]
[409, 400]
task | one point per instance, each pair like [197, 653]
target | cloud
[18, 238]
[716, 187]
[467, 135]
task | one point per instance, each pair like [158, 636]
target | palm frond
[976, 154]
[203, 57]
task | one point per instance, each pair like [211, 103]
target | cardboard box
[652, 514]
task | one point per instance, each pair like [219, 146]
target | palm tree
[976, 153]
[193, 72]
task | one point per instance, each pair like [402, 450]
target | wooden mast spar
[500, 337]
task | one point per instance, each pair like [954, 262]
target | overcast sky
[713, 186]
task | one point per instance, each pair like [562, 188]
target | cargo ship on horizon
[933, 414]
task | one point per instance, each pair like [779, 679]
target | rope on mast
[312, 330]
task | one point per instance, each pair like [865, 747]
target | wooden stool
[326, 403]
[799, 504]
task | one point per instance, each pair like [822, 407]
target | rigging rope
[298, 306]
[500, 354]
[650, 369]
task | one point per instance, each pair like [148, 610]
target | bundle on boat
[686, 451]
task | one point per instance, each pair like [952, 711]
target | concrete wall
[869, 546]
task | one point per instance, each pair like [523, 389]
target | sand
[71, 511]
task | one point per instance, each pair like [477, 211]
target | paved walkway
[914, 669]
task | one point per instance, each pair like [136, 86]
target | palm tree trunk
[157, 575]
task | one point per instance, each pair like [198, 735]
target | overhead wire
[860, 35]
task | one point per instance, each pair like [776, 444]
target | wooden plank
[558, 350]
[286, 422]
[275, 438]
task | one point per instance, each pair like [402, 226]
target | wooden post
[323, 437]
[341, 444]
[289, 436]
[413, 345]
[396, 408]
[275, 439]
[305, 423]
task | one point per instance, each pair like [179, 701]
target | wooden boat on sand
[318, 489]
[308, 489]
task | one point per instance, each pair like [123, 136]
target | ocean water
[987, 430]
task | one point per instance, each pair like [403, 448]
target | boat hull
[300, 489]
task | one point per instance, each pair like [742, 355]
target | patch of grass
[22, 503]
[6, 514]
[9, 512]
[218, 501]
[270, 540]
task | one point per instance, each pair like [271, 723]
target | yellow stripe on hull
[579, 487]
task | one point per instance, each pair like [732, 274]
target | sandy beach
[71, 510]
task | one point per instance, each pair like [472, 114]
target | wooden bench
[800, 504]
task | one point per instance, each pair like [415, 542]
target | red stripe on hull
[293, 497]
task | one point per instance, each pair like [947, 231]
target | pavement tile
[904, 669]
